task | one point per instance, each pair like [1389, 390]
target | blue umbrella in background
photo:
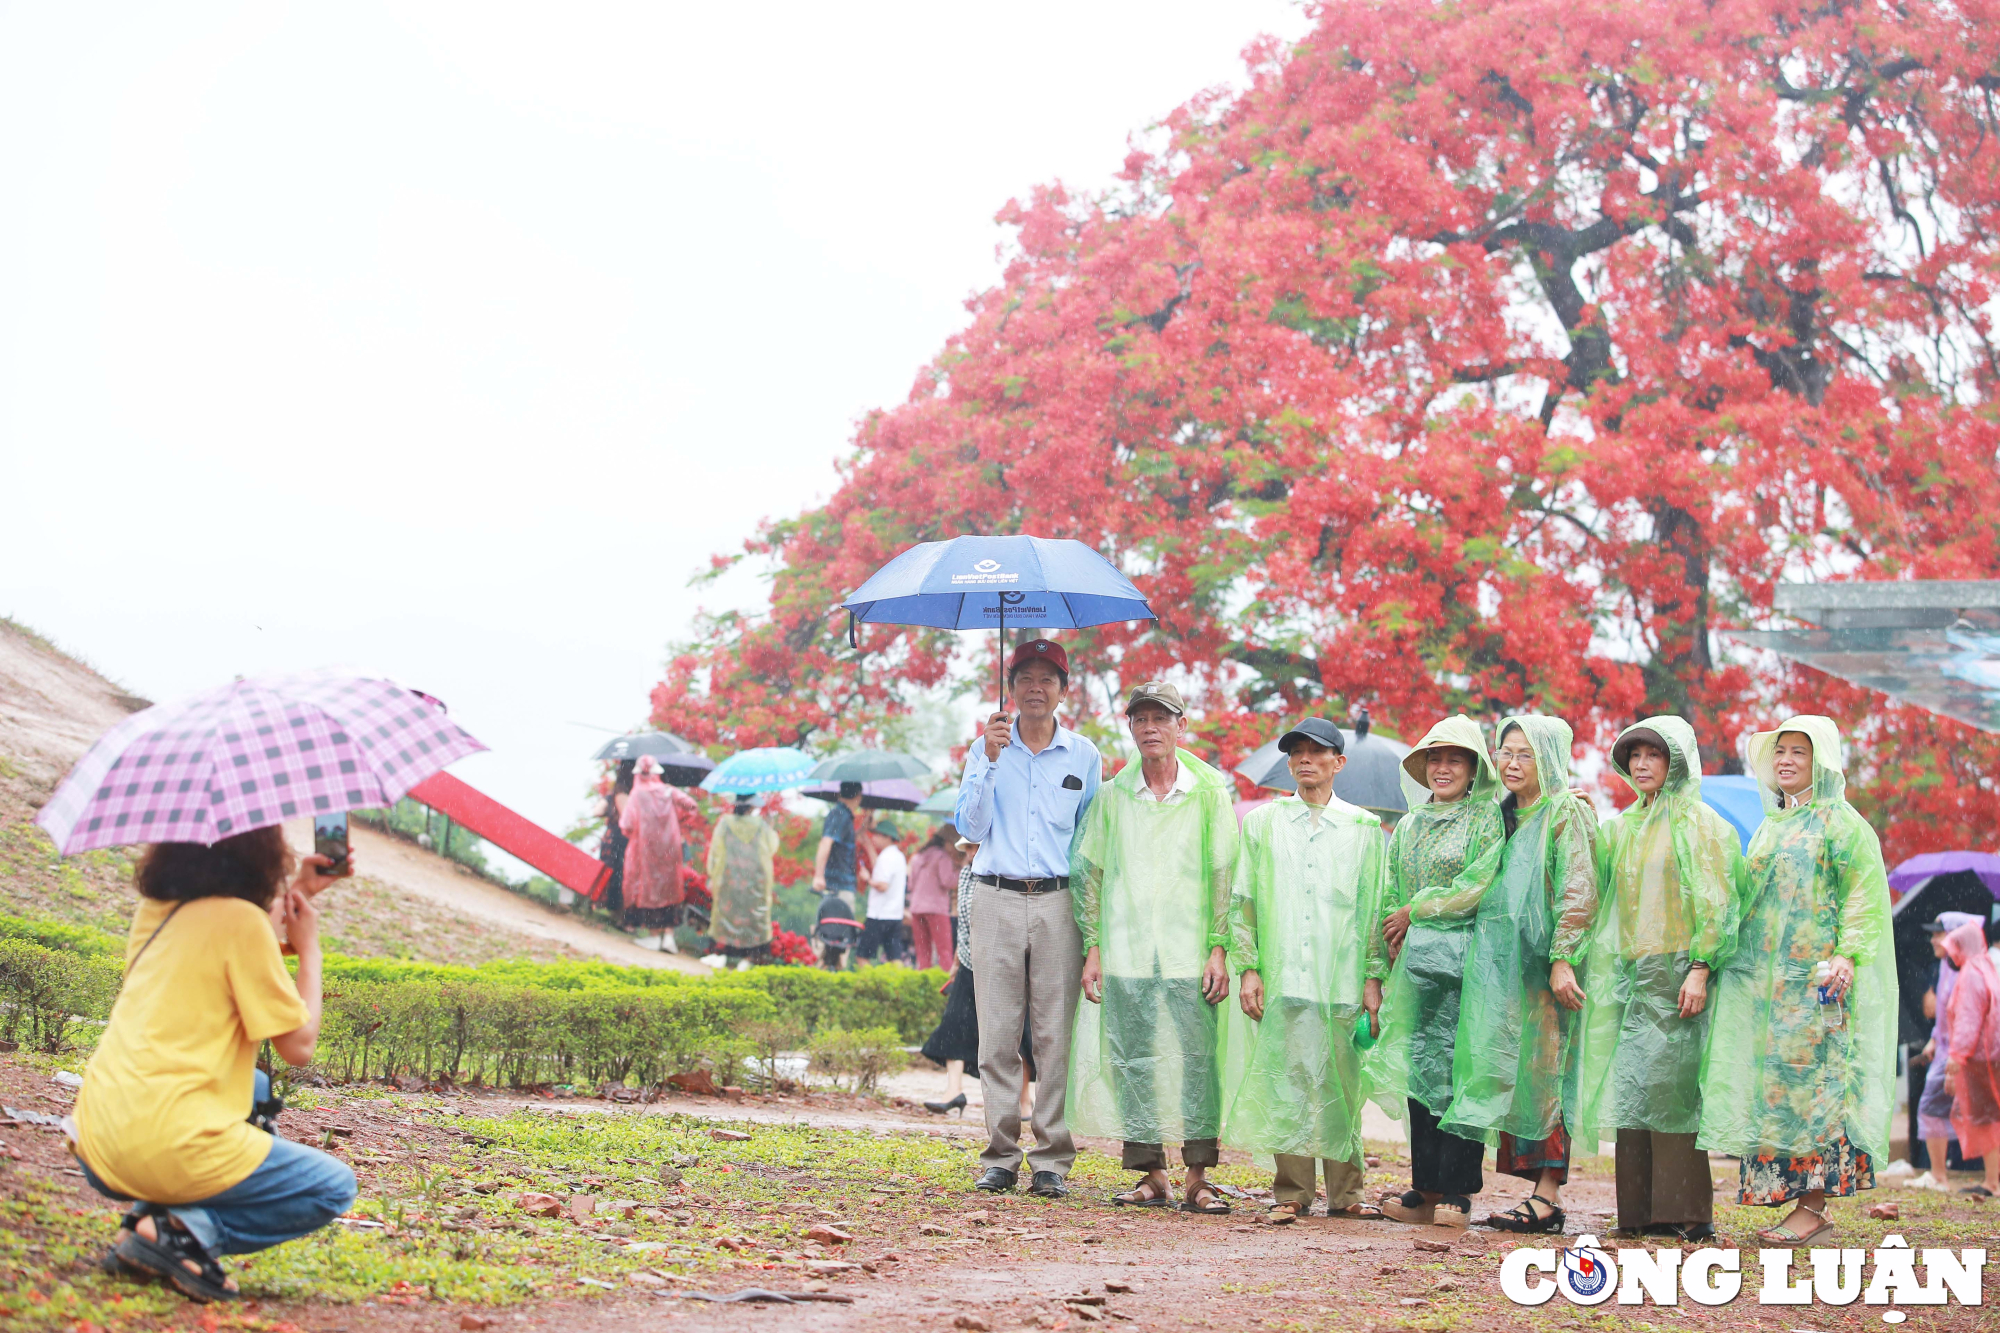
[766, 768]
[992, 582]
[1736, 799]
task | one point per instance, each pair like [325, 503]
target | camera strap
[150, 938]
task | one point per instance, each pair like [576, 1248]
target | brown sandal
[1205, 1200]
[1141, 1195]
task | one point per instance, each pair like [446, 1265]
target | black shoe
[955, 1104]
[1696, 1231]
[1048, 1185]
[996, 1180]
[1522, 1219]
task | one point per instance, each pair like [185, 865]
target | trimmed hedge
[43, 991]
[506, 1023]
[812, 999]
[523, 1036]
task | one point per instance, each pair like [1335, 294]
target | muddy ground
[438, 1180]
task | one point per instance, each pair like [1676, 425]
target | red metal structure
[563, 862]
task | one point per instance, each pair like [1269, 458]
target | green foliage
[895, 997]
[43, 991]
[522, 1036]
[63, 936]
[861, 1059]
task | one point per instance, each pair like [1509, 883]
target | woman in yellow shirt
[161, 1115]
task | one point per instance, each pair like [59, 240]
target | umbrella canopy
[251, 754]
[680, 762]
[1913, 872]
[1372, 779]
[943, 803]
[766, 768]
[869, 766]
[994, 582]
[1735, 798]
[883, 794]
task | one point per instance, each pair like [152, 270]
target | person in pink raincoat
[652, 827]
[1972, 1016]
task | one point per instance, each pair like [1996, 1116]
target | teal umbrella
[766, 768]
[869, 766]
[942, 804]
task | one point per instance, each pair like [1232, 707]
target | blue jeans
[296, 1191]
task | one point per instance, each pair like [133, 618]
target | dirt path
[422, 874]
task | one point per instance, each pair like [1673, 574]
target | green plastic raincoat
[1512, 1071]
[1787, 1075]
[1669, 870]
[1433, 845]
[1151, 882]
[1308, 892]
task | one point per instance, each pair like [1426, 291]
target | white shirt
[1183, 784]
[886, 886]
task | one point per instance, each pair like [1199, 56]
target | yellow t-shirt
[162, 1112]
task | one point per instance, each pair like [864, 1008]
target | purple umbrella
[881, 794]
[251, 754]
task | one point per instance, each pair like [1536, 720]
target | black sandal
[1523, 1220]
[163, 1258]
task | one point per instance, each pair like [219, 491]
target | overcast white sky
[447, 341]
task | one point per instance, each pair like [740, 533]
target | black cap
[1937, 927]
[1315, 729]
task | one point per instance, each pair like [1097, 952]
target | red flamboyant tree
[1485, 356]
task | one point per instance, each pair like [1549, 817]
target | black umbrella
[680, 762]
[881, 794]
[869, 766]
[1373, 778]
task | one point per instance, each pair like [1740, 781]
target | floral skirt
[1839, 1168]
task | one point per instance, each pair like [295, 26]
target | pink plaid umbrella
[253, 753]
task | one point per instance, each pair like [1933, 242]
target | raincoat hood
[1829, 781]
[1551, 739]
[1965, 942]
[1683, 755]
[1462, 732]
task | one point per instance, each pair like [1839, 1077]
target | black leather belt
[1056, 885]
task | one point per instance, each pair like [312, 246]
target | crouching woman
[162, 1115]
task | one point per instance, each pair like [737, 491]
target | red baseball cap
[1040, 650]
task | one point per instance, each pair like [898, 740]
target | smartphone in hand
[330, 841]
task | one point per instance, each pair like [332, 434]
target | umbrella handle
[853, 640]
[1002, 655]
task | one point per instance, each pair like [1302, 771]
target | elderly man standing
[1027, 786]
[1152, 885]
[1307, 896]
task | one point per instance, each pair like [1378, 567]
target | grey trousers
[1028, 956]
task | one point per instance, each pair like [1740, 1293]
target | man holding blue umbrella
[1026, 787]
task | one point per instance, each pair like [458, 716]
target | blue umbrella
[992, 582]
[1737, 800]
[766, 768]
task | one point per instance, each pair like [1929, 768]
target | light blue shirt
[1017, 809]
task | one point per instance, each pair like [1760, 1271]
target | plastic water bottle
[1832, 1010]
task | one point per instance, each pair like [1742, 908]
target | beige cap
[1157, 692]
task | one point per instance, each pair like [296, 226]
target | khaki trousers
[1028, 957]
[1293, 1182]
[1662, 1179]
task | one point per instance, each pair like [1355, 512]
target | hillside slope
[408, 902]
